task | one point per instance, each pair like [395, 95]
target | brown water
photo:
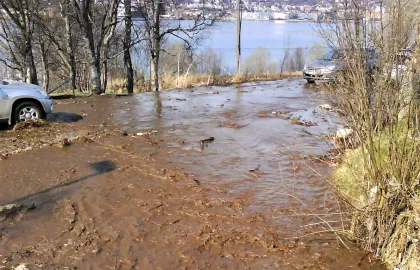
[251, 129]
[165, 201]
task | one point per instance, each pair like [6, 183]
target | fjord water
[276, 36]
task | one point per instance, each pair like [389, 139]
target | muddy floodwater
[203, 178]
[257, 149]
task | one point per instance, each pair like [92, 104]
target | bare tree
[63, 42]
[299, 59]
[97, 21]
[44, 47]
[157, 30]
[283, 64]
[17, 36]
[66, 11]
[259, 62]
[127, 44]
[210, 62]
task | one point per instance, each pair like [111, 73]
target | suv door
[4, 114]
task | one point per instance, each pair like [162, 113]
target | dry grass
[380, 178]
[168, 82]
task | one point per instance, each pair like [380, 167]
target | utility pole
[238, 36]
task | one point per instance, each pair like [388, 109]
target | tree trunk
[103, 44]
[95, 75]
[31, 76]
[128, 65]
[46, 74]
[151, 66]
[154, 42]
[73, 72]
[155, 60]
[154, 68]
[104, 70]
[69, 41]
[238, 36]
[94, 54]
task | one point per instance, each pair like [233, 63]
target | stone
[343, 133]
[325, 107]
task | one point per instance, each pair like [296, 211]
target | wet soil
[138, 186]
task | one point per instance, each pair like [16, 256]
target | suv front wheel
[27, 111]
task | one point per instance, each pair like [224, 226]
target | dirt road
[126, 183]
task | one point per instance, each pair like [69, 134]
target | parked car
[333, 62]
[402, 62]
[22, 102]
[322, 69]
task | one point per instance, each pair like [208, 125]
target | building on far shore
[279, 16]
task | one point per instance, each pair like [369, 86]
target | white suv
[22, 102]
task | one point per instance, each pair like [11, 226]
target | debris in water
[303, 123]
[232, 125]
[325, 107]
[210, 139]
[181, 99]
[256, 169]
[20, 267]
[203, 143]
[30, 124]
[307, 132]
[343, 133]
[64, 142]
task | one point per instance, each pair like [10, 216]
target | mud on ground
[110, 199]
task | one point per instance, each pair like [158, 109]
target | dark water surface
[257, 153]
[257, 150]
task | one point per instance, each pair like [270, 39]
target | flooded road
[138, 188]
[257, 150]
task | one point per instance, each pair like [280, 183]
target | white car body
[12, 93]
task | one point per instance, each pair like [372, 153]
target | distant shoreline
[232, 20]
[274, 20]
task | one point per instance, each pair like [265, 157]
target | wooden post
[238, 37]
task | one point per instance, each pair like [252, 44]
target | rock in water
[344, 133]
[64, 142]
[325, 107]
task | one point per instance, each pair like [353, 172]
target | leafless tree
[17, 36]
[259, 62]
[60, 33]
[283, 65]
[158, 29]
[299, 59]
[210, 62]
[127, 44]
[97, 21]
